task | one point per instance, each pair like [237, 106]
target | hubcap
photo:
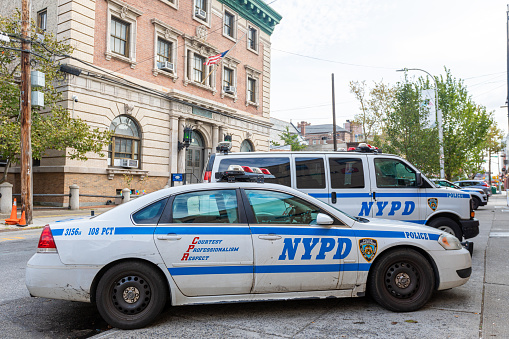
[402, 280]
[447, 229]
[131, 294]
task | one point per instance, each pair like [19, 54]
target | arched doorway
[246, 146]
[194, 158]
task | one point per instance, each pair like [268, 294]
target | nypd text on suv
[238, 242]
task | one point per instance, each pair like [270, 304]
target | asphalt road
[474, 310]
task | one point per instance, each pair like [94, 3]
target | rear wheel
[131, 295]
[447, 225]
[401, 281]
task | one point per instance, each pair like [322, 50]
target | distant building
[279, 127]
[322, 134]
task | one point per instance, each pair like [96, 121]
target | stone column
[74, 199]
[6, 199]
[215, 137]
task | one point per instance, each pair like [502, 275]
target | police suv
[363, 183]
[479, 197]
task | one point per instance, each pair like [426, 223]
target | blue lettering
[308, 247]
[344, 248]
[289, 248]
[366, 208]
[381, 205]
[409, 207]
[328, 245]
[395, 205]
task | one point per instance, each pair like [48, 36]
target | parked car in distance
[475, 184]
[479, 197]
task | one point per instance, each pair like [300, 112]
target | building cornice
[257, 12]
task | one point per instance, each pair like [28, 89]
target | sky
[366, 40]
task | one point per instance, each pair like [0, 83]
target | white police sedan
[236, 242]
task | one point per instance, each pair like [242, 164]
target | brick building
[323, 134]
[160, 46]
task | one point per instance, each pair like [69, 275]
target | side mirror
[419, 179]
[324, 219]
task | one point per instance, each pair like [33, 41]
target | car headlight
[449, 242]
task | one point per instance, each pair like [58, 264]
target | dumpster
[493, 189]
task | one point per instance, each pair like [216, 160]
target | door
[206, 244]
[291, 252]
[395, 192]
[194, 159]
[350, 189]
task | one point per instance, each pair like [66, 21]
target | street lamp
[438, 114]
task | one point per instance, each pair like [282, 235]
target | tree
[406, 129]
[374, 107]
[493, 144]
[291, 139]
[52, 127]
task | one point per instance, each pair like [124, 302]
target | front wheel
[131, 295]
[476, 202]
[447, 225]
[401, 281]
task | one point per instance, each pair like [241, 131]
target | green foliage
[290, 139]
[406, 129]
[52, 127]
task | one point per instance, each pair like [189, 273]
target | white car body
[233, 262]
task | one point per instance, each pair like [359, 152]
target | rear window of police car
[279, 167]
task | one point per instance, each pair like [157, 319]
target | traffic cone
[13, 220]
[22, 222]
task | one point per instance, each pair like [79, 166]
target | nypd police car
[238, 242]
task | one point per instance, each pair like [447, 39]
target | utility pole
[26, 119]
[334, 116]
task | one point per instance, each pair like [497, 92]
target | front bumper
[454, 267]
[47, 277]
[470, 228]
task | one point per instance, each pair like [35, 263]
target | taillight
[46, 241]
[247, 169]
[485, 184]
[208, 176]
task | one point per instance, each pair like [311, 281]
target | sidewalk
[44, 216]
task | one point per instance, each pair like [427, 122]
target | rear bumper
[47, 277]
[470, 228]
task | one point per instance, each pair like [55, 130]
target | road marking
[11, 238]
[499, 235]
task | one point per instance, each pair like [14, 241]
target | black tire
[476, 202]
[401, 280]
[131, 295]
[447, 225]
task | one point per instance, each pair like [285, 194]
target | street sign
[177, 177]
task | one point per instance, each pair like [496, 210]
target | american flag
[215, 58]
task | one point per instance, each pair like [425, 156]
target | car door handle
[269, 237]
[169, 236]
[333, 197]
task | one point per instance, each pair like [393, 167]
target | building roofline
[257, 12]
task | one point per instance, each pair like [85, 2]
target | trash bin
[493, 190]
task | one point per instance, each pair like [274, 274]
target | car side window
[209, 207]
[392, 173]
[271, 207]
[346, 173]
[310, 172]
[151, 213]
[278, 167]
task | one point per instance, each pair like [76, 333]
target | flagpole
[217, 65]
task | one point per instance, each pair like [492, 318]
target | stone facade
[160, 103]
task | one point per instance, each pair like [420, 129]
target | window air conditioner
[200, 13]
[126, 163]
[166, 66]
[229, 89]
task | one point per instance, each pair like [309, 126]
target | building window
[119, 37]
[229, 20]
[42, 19]
[251, 90]
[201, 8]
[252, 39]
[228, 77]
[121, 32]
[246, 146]
[198, 68]
[124, 150]
[164, 49]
